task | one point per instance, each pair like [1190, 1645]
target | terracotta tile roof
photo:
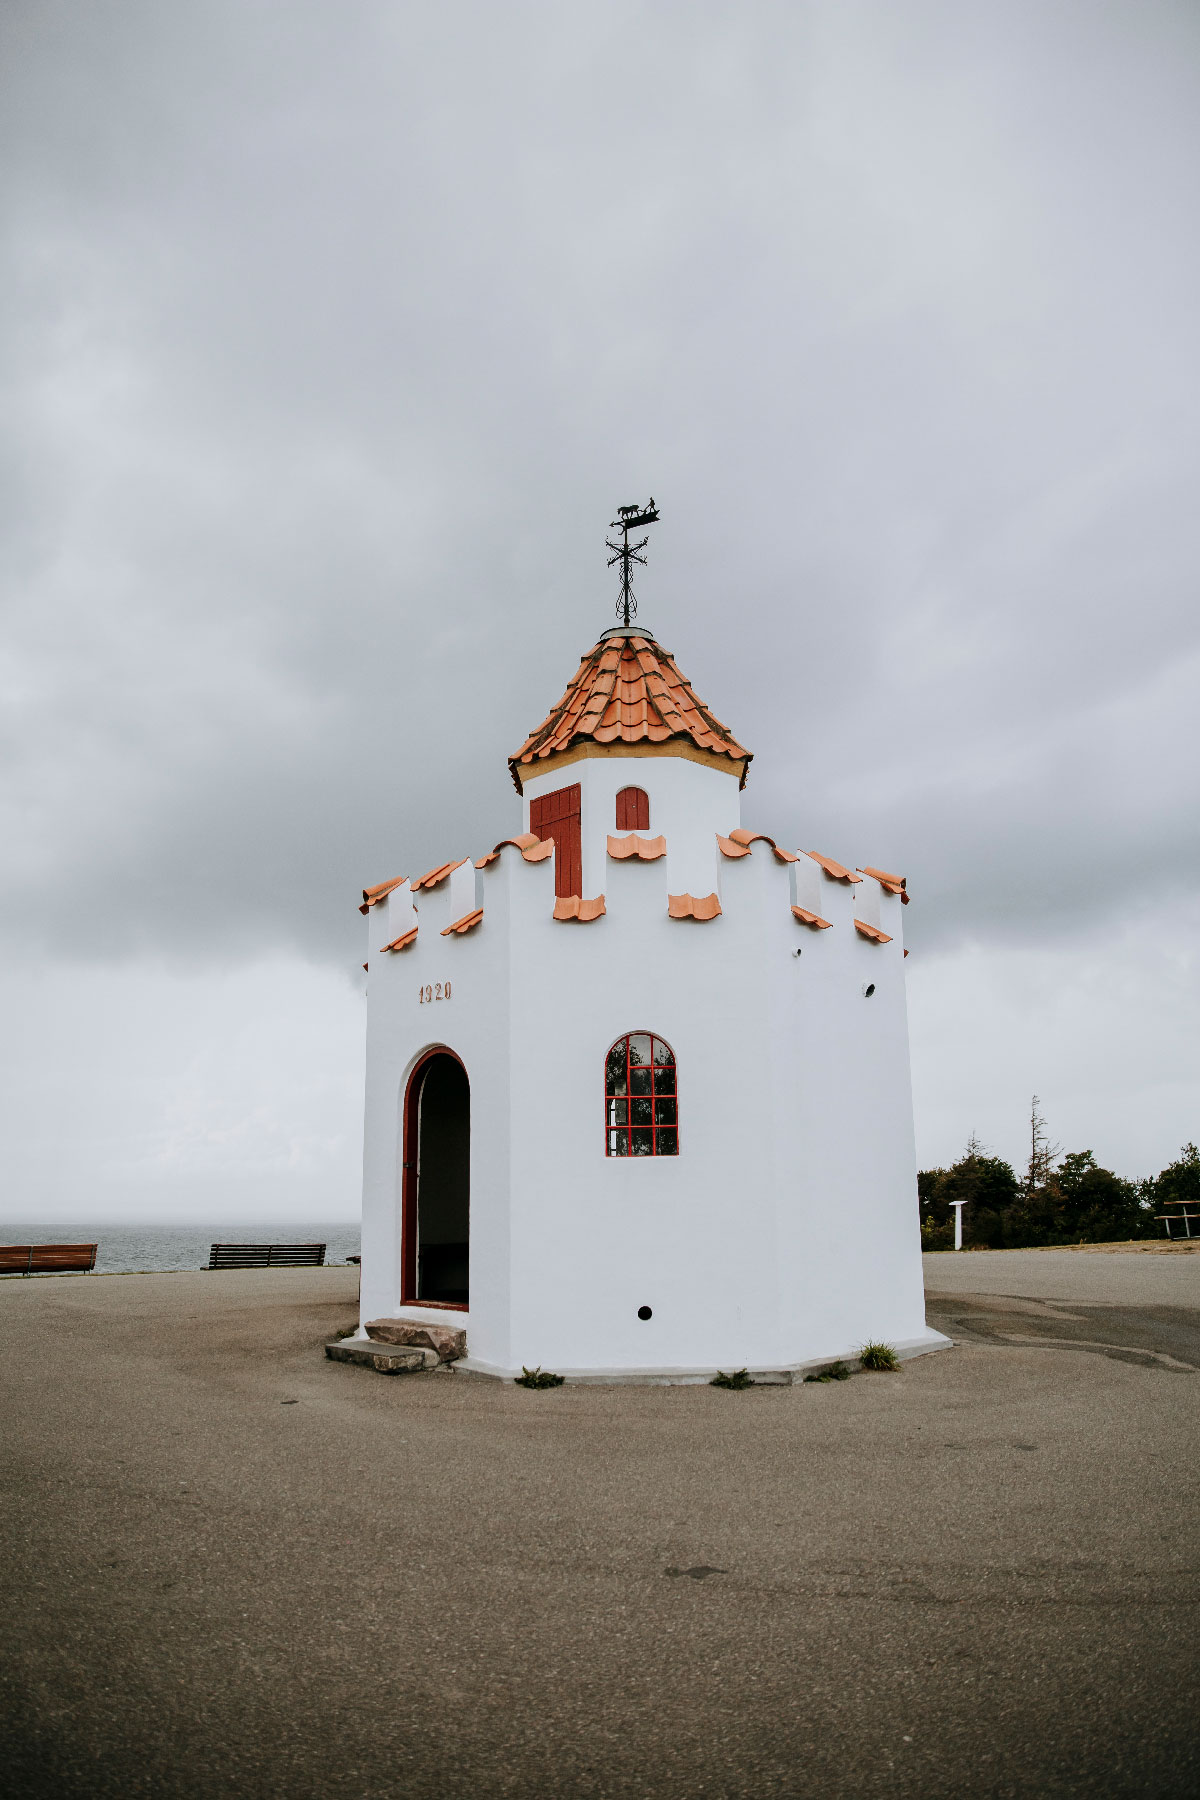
[895, 884]
[628, 690]
[692, 906]
[834, 870]
[433, 876]
[372, 896]
[645, 849]
[871, 931]
[570, 906]
[468, 922]
[404, 942]
[532, 848]
[813, 919]
[745, 839]
[727, 847]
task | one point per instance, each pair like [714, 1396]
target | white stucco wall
[786, 1230]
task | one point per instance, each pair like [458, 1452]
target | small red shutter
[557, 816]
[633, 809]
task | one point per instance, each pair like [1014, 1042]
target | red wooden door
[557, 816]
[633, 809]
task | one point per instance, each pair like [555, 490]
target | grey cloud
[334, 336]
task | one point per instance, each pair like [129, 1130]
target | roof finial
[630, 518]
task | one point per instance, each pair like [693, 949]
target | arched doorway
[437, 1182]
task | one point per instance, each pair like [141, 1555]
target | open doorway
[437, 1183]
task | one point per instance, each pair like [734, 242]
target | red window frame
[633, 809]
[641, 1097]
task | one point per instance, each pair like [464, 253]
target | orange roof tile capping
[629, 691]
[693, 906]
[871, 931]
[434, 876]
[747, 838]
[835, 870]
[468, 922]
[531, 847]
[894, 884]
[570, 906]
[404, 942]
[645, 849]
[813, 919]
[372, 896]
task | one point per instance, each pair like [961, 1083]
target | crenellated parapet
[817, 893]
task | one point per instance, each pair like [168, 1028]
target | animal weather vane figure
[630, 518]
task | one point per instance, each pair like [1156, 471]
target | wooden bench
[266, 1256]
[46, 1259]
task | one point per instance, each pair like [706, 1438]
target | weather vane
[630, 518]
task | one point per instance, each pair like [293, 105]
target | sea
[130, 1249]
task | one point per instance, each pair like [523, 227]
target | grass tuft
[880, 1357]
[739, 1379]
[835, 1372]
[538, 1378]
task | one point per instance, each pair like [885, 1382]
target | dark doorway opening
[437, 1183]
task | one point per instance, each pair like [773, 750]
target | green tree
[987, 1184]
[1179, 1185]
[1095, 1206]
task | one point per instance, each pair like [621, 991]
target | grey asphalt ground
[234, 1568]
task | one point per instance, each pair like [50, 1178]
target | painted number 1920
[440, 990]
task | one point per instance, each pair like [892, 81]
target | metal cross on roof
[630, 518]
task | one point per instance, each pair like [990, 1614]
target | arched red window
[641, 1101]
[633, 809]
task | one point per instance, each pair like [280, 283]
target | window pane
[663, 1053]
[664, 1081]
[639, 1047]
[668, 1143]
[618, 1112]
[618, 1143]
[639, 1080]
[641, 1112]
[664, 1111]
[614, 1069]
[642, 1143]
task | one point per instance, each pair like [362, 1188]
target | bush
[880, 1357]
[538, 1378]
[739, 1379]
[835, 1372]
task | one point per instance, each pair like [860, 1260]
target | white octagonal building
[638, 1102]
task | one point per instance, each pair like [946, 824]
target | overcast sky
[332, 336]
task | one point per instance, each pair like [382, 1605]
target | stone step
[450, 1341]
[388, 1359]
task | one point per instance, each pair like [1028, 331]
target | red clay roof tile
[432, 877]
[871, 931]
[468, 922]
[570, 906]
[404, 941]
[727, 847]
[532, 848]
[746, 838]
[645, 849]
[373, 895]
[895, 884]
[692, 906]
[627, 690]
[813, 919]
[835, 870]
